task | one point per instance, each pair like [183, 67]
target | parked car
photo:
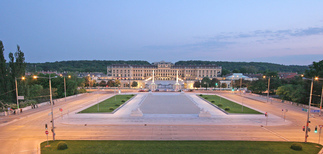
[141, 90]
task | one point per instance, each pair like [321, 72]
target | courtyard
[169, 108]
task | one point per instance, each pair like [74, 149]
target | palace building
[163, 72]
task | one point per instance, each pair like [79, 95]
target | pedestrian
[20, 110]
[37, 105]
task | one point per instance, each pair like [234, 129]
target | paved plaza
[168, 108]
[26, 131]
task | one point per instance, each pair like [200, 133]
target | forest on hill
[80, 65]
[101, 66]
[248, 67]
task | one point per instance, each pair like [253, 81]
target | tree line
[79, 66]
[101, 66]
[8, 73]
[295, 89]
[247, 67]
[34, 90]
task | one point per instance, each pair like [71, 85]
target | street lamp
[51, 100]
[69, 76]
[240, 94]
[308, 111]
[268, 86]
[309, 107]
[321, 101]
[240, 85]
[22, 78]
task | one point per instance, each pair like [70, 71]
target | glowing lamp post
[22, 78]
[268, 86]
[309, 107]
[51, 100]
[69, 76]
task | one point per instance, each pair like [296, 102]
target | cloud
[309, 31]
[281, 34]
[251, 42]
[208, 44]
[304, 59]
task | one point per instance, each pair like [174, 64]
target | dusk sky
[283, 32]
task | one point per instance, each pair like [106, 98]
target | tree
[88, 81]
[197, 84]
[34, 90]
[243, 83]
[20, 68]
[215, 82]
[103, 83]
[117, 83]
[71, 87]
[258, 86]
[110, 83]
[134, 84]
[206, 82]
[235, 71]
[3, 72]
[224, 85]
[316, 70]
[20, 63]
[225, 72]
[11, 77]
[291, 92]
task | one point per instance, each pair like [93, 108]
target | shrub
[212, 101]
[82, 90]
[132, 95]
[123, 101]
[13, 106]
[128, 97]
[227, 108]
[117, 105]
[61, 145]
[111, 108]
[201, 95]
[220, 105]
[296, 146]
[206, 98]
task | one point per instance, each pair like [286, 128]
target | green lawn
[234, 147]
[108, 105]
[234, 107]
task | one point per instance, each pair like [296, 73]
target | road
[23, 133]
[292, 132]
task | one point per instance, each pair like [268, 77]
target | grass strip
[228, 147]
[108, 105]
[224, 103]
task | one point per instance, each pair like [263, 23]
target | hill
[101, 66]
[248, 67]
[79, 66]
